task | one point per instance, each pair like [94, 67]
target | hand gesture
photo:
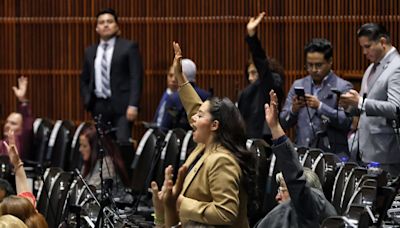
[350, 98]
[253, 23]
[20, 91]
[297, 103]
[12, 149]
[177, 59]
[271, 110]
[131, 113]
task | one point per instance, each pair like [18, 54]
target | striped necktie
[105, 79]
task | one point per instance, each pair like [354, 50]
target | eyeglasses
[310, 66]
[282, 189]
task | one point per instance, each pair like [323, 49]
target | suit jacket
[125, 76]
[336, 128]
[307, 206]
[377, 137]
[252, 99]
[212, 189]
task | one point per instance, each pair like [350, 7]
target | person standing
[111, 78]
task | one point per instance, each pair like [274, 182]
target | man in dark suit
[111, 79]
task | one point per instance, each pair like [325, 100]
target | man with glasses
[319, 122]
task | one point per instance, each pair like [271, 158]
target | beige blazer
[212, 190]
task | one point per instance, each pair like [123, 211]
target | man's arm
[135, 75]
[85, 81]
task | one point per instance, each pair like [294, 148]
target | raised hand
[12, 149]
[20, 91]
[271, 110]
[253, 23]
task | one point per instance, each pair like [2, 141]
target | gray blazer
[336, 128]
[377, 137]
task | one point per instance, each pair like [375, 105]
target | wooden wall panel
[45, 40]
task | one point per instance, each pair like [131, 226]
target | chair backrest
[312, 155]
[187, 147]
[75, 158]
[366, 195]
[60, 143]
[302, 153]
[358, 215]
[265, 185]
[144, 156]
[330, 167]
[45, 189]
[41, 133]
[58, 196]
[350, 186]
[340, 181]
[337, 222]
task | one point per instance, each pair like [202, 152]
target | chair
[60, 143]
[41, 135]
[302, 153]
[75, 158]
[143, 160]
[312, 155]
[170, 154]
[58, 195]
[358, 215]
[365, 195]
[340, 181]
[337, 222]
[266, 185]
[187, 147]
[44, 189]
[350, 186]
[327, 172]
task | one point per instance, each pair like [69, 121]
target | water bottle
[374, 168]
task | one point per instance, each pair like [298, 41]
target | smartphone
[336, 91]
[299, 91]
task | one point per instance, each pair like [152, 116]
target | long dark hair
[231, 135]
[111, 150]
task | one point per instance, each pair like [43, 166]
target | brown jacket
[212, 190]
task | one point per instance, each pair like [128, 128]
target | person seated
[263, 74]
[220, 170]
[312, 106]
[301, 200]
[21, 122]
[167, 113]
[113, 166]
[23, 205]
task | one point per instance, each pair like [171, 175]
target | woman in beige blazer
[219, 169]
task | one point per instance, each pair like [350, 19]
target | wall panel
[45, 40]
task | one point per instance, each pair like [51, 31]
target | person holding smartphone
[311, 105]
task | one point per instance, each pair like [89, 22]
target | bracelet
[183, 84]
[159, 220]
[20, 164]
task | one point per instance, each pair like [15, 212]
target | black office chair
[265, 185]
[143, 159]
[358, 215]
[350, 186]
[302, 153]
[340, 181]
[60, 143]
[187, 147]
[326, 170]
[75, 158]
[58, 196]
[41, 136]
[45, 189]
[312, 155]
[337, 222]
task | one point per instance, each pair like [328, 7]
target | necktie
[372, 76]
[105, 79]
